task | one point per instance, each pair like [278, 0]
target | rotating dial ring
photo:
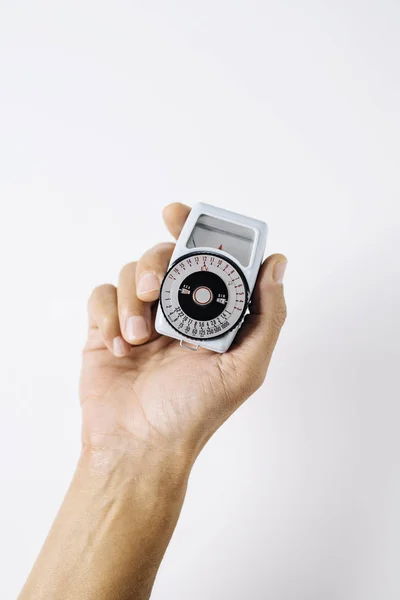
[204, 295]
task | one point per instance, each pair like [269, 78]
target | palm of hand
[159, 392]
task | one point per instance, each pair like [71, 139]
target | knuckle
[100, 290]
[157, 257]
[127, 269]
[153, 254]
[164, 247]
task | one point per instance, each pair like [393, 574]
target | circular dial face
[204, 295]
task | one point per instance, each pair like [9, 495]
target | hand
[140, 390]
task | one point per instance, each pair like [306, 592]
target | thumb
[259, 333]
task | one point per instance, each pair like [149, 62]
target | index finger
[175, 216]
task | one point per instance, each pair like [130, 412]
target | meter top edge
[228, 233]
[208, 209]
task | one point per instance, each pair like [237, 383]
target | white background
[289, 112]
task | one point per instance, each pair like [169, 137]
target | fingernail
[279, 271]
[147, 283]
[136, 328]
[120, 347]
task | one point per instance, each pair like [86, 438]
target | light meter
[206, 291]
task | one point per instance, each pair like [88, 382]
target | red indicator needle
[220, 247]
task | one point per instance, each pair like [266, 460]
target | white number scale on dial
[204, 296]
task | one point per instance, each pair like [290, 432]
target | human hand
[140, 390]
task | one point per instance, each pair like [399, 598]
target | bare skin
[148, 408]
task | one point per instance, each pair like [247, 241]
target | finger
[260, 331]
[134, 315]
[103, 315]
[150, 271]
[175, 216]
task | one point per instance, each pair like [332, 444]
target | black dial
[204, 295]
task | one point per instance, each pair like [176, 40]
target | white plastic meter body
[206, 291]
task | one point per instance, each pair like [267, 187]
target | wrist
[136, 468]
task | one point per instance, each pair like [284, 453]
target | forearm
[112, 530]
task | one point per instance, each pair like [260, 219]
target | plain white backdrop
[289, 112]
